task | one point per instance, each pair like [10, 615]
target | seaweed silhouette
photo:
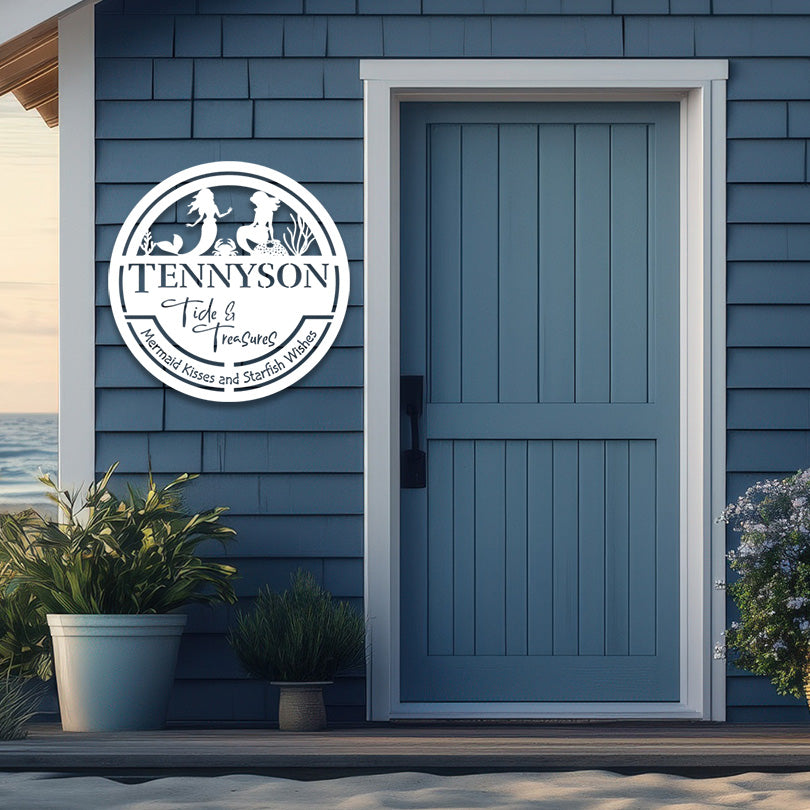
[299, 237]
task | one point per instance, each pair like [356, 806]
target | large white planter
[114, 672]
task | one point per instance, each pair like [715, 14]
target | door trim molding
[700, 87]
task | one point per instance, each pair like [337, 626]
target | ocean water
[27, 446]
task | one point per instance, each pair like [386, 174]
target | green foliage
[298, 635]
[25, 641]
[772, 591]
[107, 555]
[19, 702]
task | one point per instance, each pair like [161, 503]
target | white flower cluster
[772, 514]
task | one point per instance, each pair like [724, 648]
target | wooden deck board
[691, 748]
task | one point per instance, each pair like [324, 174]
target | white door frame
[700, 86]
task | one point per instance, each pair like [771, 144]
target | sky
[28, 260]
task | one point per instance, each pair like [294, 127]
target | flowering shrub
[773, 590]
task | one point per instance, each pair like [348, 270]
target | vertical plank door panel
[479, 272]
[592, 263]
[566, 551]
[642, 548]
[517, 264]
[629, 312]
[591, 548]
[540, 486]
[464, 548]
[445, 262]
[440, 548]
[617, 557]
[556, 263]
[490, 547]
[516, 550]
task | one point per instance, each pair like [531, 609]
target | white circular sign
[229, 281]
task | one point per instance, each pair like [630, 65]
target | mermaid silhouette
[258, 236]
[205, 207]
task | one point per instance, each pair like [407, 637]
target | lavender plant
[772, 591]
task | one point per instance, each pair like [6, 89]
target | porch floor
[693, 749]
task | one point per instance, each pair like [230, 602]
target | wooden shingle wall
[181, 82]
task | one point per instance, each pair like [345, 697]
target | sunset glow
[28, 261]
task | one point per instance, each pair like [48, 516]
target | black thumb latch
[413, 474]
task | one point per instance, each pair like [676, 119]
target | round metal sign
[229, 281]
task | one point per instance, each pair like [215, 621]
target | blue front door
[540, 304]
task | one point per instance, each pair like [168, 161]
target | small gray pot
[300, 705]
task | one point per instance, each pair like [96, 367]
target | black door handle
[413, 473]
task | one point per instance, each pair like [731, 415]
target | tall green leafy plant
[25, 662]
[110, 555]
[19, 703]
[299, 635]
[25, 641]
[25, 659]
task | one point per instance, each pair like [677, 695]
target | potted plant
[772, 591]
[298, 640]
[109, 575]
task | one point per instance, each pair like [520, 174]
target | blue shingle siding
[123, 78]
[641, 6]
[556, 36]
[331, 6]
[799, 118]
[690, 6]
[198, 36]
[757, 119]
[252, 35]
[768, 78]
[142, 119]
[223, 119]
[276, 82]
[752, 36]
[661, 37]
[173, 78]
[305, 36]
[765, 202]
[287, 78]
[768, 408]
[574, 6]
[768, 283]
[220, 78]
[768, 368]
[134, 35]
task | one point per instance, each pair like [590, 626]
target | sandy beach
[581, 790]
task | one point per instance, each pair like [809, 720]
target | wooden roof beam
[50, 112]
[29, 68]
[40, 90]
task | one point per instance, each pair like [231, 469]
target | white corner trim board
[76, 247]
[699, 85]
